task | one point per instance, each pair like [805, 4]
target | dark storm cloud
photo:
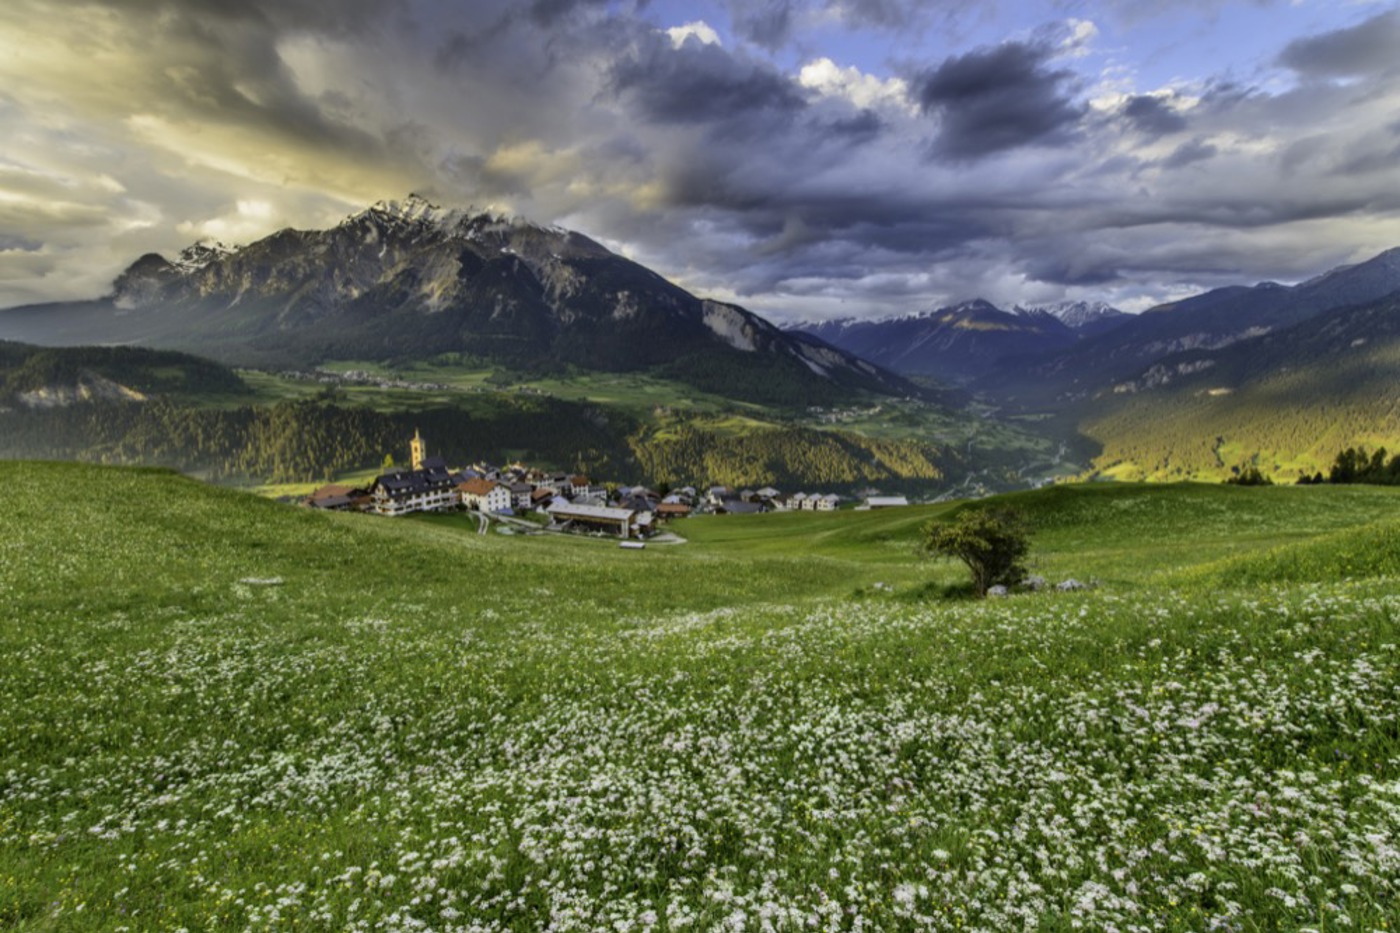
[237, 76]
[767, 23]
[14, 243]
[725, 165]
[1371, 47]
[774, 203]
[547, 13]
[1075, 269]
[220, 62]
[462, 46]
[1370, 162]
[861, 127]
[1189, 153]
[992, 100]
[1152, 116]
[894, 14]
[699, 83]
[772, 24]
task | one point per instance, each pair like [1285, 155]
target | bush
[991, 542]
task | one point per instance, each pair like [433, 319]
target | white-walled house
[484, 495]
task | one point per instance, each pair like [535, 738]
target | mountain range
[1057, 354]
[1190, 388]
[1209, 321]
[410, 280]
[966, 341]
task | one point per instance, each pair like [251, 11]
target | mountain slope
[411, 280]
[1285, 402]
[957, 343]
[1211, 320]
[47, 377]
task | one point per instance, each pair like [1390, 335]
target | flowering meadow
[220, 713]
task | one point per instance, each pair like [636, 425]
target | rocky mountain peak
[409, 278]
[201, 253]
[1073, 314]
[412, 211]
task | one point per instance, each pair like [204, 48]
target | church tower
[419, 449]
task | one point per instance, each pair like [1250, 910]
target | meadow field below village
[223, 713]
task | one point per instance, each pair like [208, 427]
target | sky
[808, 159]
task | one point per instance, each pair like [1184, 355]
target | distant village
[567, 502]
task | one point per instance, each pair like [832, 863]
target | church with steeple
[418, 450]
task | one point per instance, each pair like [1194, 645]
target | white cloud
[864, 90]
[249, 220]
[699, 30]
[1080, 34]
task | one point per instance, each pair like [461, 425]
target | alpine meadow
[229, 714]
[643, 466]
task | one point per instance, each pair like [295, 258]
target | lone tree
[991, 542]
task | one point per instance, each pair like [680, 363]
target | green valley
[287, 430]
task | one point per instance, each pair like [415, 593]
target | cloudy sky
[806, 158]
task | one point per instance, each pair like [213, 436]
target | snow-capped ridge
[972, 304]
[414, 210]
[1074, 314]
[201, 253]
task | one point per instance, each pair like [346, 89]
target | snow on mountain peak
[201, 253]
[1074, 314]
[413, 210]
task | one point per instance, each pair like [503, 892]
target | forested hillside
[786, 457]
[308, 441]
[29, 369]
[1284, 402]
[312, 440]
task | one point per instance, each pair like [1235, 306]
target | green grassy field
[1130, 535]
[226, 714]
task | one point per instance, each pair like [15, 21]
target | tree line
[783, 456]
[312, 440]
[1355, 465]
[309, 440]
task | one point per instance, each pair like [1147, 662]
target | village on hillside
[566, 502]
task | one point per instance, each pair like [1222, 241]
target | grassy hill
[223, 713]
[1124, 534]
